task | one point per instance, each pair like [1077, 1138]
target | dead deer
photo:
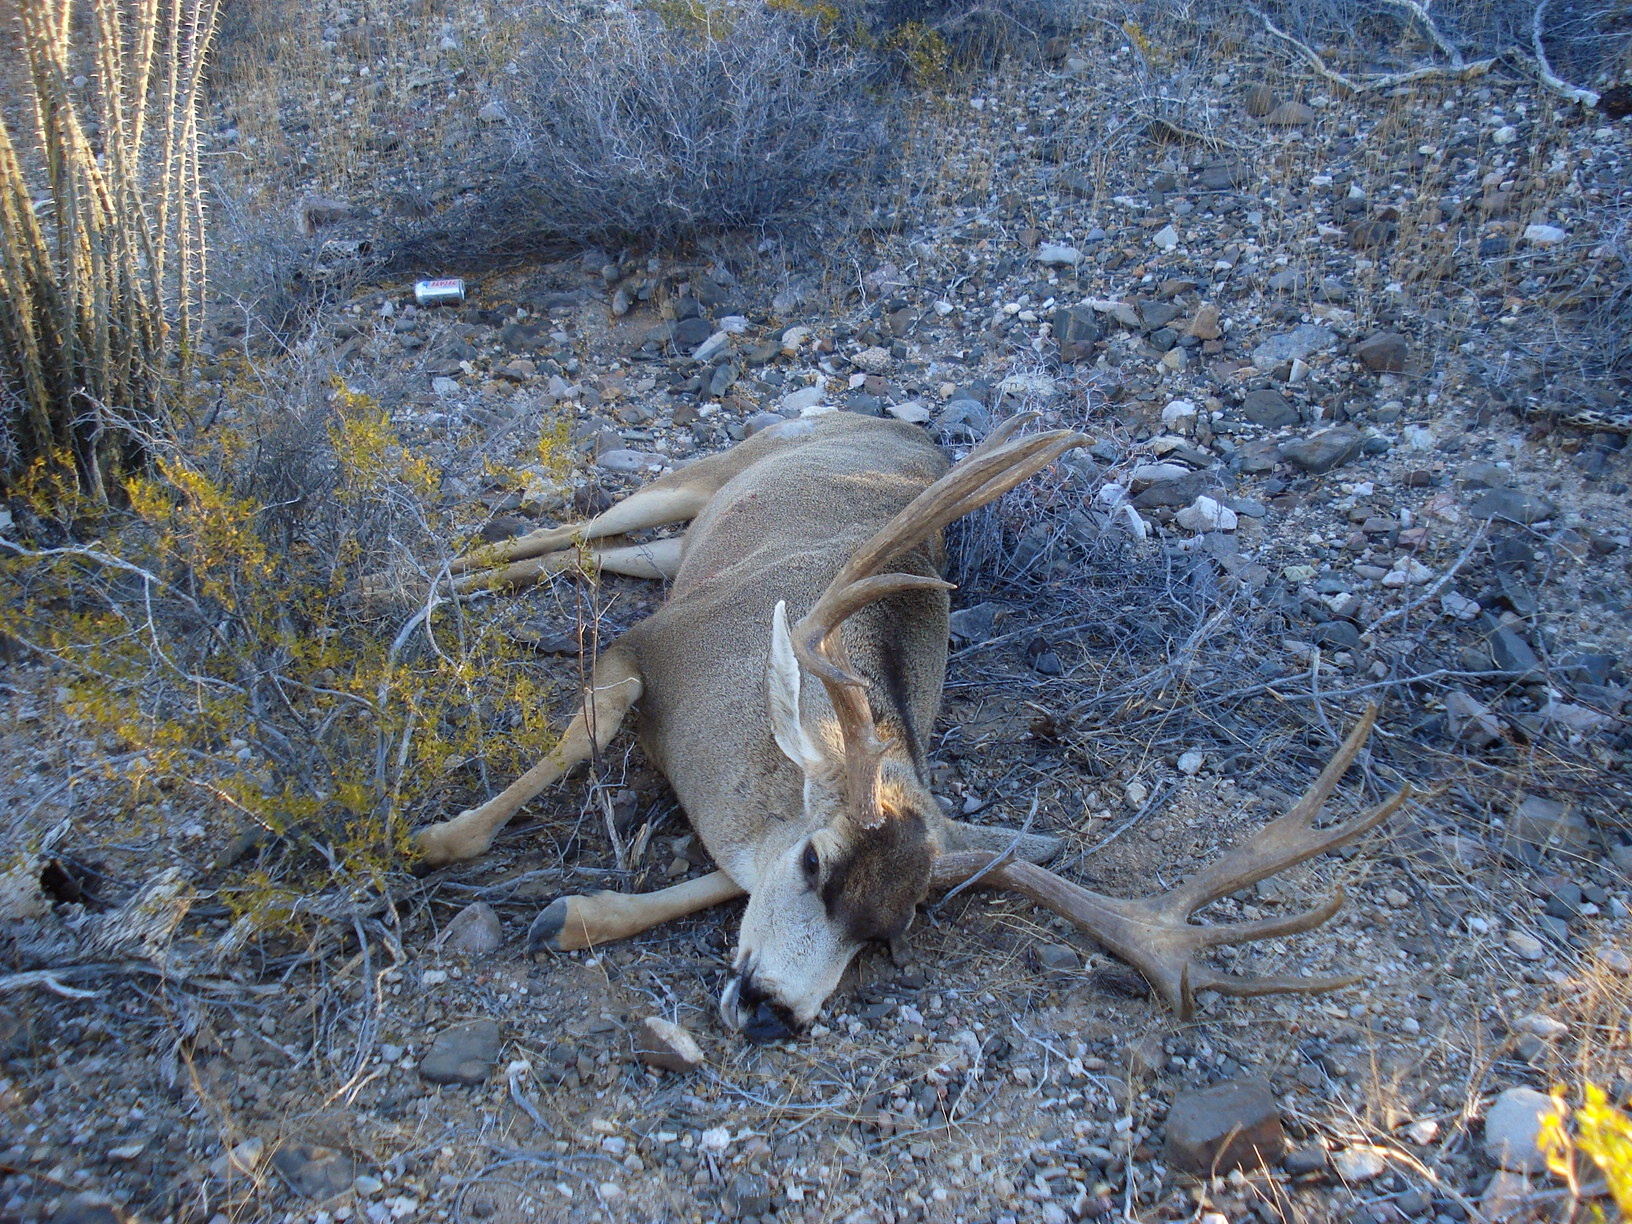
[815, 552]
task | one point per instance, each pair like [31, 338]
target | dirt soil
[1325, 365]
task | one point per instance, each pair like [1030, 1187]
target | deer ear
[782, 685]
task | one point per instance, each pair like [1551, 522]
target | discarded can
[444, 291]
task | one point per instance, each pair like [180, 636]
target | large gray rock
[1268, 407]
[463, 1054]
[1325, 450]
[1384, 352]
[1298, 344]
[474, 931]
[1513, 1130]
[1515, 505]
[1232, 1125]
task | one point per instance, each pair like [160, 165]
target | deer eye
[811, 864]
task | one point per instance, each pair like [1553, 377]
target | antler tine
[1154, 934]
[991, 470]
[1290, 840]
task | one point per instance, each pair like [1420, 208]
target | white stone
[1167, 238]
[805, 397]
[1147, 474]
[1180, 414]
[1459, 607]
[734, 325]
[1513, 1130]
[793, 338]
[1359, 1163]
[1057, 254]
[912, 412]
[1205, 514]
[1136, 792]
[1545, 1027]
[714, 1139]
[1422, 1132]
[1505, 135]
[1190, 763]
[1615, 960]
[1544, 235]
[444, 386]
[1525, 946]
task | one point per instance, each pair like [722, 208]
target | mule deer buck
[814, 552]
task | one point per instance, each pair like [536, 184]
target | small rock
[1204, 514]
[1269, 408]
[1057, 254]
[1538, 1025]
[88, 1208]
[1300, 1162]
[976, 624]
[874, 360]
[795, 402]
[463, 1054]
[665, 1045]
[1076, 329]
[1190, 763]
[1544, 235]
[1206, 324]
[1290, 114]
[1515, 505]
[1526, 946]
[629, 462]
[474, 931]
[1325, 450]
[1471, 721]
[912, 412]
[1359, 1163]
[1179, 415]
[689, 333]
[1166, 238]
[1058, 958]
[1135, 793]
[1513, 1129]
[315, 1172]
[1383, 352]
[749, 1194]
[444, 387]
[1506, 1198]
[1300, 344]
[1548, 824]
[1232, 1125]
[1260, 100]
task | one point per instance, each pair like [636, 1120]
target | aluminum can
[444, 291]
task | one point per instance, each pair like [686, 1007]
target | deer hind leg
[657, 559]
[614, 687]
[568, 923]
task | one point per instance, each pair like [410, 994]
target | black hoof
[545, 933]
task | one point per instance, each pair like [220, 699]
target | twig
[1435, 587]
[48, 979]
[513, 1075]
[1548, 78]
[1008, 854]
[1459, 70]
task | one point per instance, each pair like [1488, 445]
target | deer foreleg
[614, 687]
[606, 917]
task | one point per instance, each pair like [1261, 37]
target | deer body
[786, 687]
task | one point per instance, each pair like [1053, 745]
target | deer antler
[1154, 934]
[988, 472]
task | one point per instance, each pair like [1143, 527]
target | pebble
[1383, 352]
[1538, 1025]
[667, 1046]
[1359, 1163]
[1269, 408]
[1190, 763]
[1526, 946]
[1544, 235]
[1300, 343]
[1057, 254]
[463, 1054]
[1515, 505]
[1232, 1125]
[796, 402]
[1513, 1129]
[474, 931]
[1324, 451]
[1204, 514]
[1058, 958]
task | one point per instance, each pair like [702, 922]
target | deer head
[855, 863]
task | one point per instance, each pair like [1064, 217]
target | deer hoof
[545, 933]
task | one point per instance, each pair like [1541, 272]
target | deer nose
[750, 1009]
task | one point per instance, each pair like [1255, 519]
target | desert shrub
[101, 233]
[212, 639]
[660, 126]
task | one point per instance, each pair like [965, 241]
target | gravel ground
[1330, 358]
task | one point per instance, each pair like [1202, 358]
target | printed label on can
[439, 292]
